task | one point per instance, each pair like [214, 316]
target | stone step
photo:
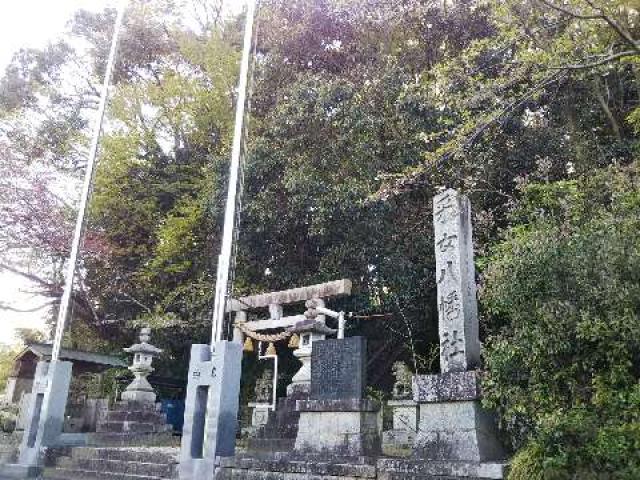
[77, 474]
[150, 416]
[160, 455]
[132, 439]
[135, 407]
[131, 426]
[134, 463]
[159, 470]
[270, 445]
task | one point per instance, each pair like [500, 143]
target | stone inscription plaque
[338, 369]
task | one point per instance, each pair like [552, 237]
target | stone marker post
[455, 274]
[44, 419]
[453, 427]
[211, 409]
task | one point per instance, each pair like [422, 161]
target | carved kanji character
[445, 207]
[450, 306]
[447, 242]
[452, 345]
[446, 272]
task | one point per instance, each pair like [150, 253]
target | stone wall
[243, 468]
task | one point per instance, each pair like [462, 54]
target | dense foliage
[360, 112]
[563, 289]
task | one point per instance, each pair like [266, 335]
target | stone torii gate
[310, 330]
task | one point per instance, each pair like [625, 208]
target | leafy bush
[8, 418]
[96, 385]
[562, 295]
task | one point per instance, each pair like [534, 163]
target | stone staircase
[129, 463]
[128, 417]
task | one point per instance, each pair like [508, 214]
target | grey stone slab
[338, 369]
[405, 415]
[455, 276]
[457, 431]
[311, 468]
[346, 433]
[447, 387]
[211, 408]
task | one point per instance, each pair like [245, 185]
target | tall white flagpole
[224, 260]
[86, 188]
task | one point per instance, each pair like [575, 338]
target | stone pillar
[44, 419]
[239, 317]
[453, 427]
[455, 274]
[211, 409]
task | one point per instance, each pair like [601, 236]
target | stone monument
[405, 412]
[140, 391]
[264, 395]
[452, 424]
[337, 421]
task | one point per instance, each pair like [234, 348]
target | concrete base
[211, 410]
[276, 468]
[344, 428]
[19, 471]
[458, 431]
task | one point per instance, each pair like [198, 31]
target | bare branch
[571, 13]
[31, 277]
[4, 306]
[599, 16]
[137, 302]
[602, 61]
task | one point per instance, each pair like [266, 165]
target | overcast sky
[32, 23]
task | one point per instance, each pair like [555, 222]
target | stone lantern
[309, 331]
[140, 391]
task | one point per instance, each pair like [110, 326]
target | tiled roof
[44, 350]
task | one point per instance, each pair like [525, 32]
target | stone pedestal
[133, 418]
[405, 425]
[337, 421]
[338, 428]
[44, 419]
[405, 415]
[211, 410]
[453, 425]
